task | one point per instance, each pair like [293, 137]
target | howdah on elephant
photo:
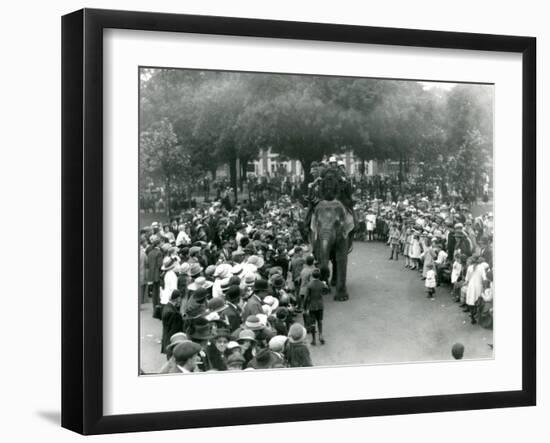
[331, 224]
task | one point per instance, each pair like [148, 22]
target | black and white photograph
[293, 221]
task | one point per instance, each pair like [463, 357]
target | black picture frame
[82, 218]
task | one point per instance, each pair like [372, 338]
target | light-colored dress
[170, 284]
[430, 279]
[415, 250]
[428, 255]
[475, 285]
[455, 273]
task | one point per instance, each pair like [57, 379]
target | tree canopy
[212, 118]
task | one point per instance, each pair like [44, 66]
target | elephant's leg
[334, 277]
[342, 263]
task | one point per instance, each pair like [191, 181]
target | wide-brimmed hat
[246, 334]
[217, 304]
[185, 350]
[178, 337]
[202, 332]
[195, 269]
[168, 263]
[253, 323]
[237, 269]
[200, 294]
[277, 343]
[223, 270]
[195, 311]
[256, 260]
[249, 280]
[183, 268]
[200, 283]
[297, 333]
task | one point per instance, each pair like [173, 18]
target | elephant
[330, 226]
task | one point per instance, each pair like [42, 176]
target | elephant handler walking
[313, 305]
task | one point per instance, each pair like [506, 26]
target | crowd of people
[237, 288]
[445, 244]
[229, 285]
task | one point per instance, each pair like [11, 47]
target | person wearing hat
[187, 357]
[183, 237]
[195, 270]
[253, 304]
[266, 359]
[196, 304]
[183, 278]
[176, 339]
[216, 350]
[169, 280]
[172, 321]
[200, 283]
[232, 310]
[313, 305]
[154, 263]
[297, 352]
[295, 268]
[235, 362]
[279, 320]
[247, 340]
[305, 277]
[200, 332]
[278, 345]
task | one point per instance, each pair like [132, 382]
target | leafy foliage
[210, 118]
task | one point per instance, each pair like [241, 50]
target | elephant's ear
[313, 226]
[348, 223]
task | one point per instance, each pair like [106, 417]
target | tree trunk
[308, 178]
[233, 175]
[167, 195]
[244, 167]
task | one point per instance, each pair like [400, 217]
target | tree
[163, 159]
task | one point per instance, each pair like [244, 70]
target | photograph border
[82, 220]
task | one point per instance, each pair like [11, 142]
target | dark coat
[314, 295]
[487, 254]
[172, 322]
[253, 307]
[298, 355]
[215, 358]
[154, 262]
[233, 315]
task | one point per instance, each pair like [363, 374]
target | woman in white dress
[475, 287]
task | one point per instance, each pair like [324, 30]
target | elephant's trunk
[324, 258]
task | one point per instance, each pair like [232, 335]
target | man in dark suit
[172, 321]
[486, 250]
[253, 305]
[154, 262]
[233, 311]
[313, 304]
